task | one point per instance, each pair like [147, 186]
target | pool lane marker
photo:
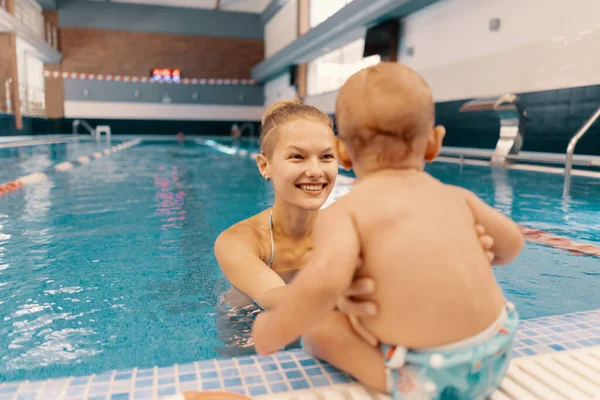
[559, 242]
[38, 177]
[63, 166]
[531, 235]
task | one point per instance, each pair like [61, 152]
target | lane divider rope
[559, 242]
[531, 235]
[38, 177]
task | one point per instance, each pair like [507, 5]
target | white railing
[571, 148]
[30, 14]
[51, 35]
[83, 123]
[465, 153]
[33, 100]
[7, 84]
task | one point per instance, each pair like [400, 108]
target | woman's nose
[314, 171]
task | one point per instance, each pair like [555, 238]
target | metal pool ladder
[87, 126]
[571, 148]
[96, 133]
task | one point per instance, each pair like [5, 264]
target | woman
[261, 254]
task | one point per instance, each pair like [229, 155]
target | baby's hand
[486, 242]
[263, 340]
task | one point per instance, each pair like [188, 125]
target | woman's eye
[329, 156]
[296, 156]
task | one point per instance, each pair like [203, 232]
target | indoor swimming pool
[109, 266]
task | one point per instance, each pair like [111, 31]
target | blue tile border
[558, 333]
[283, 372]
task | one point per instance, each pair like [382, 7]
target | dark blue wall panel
[553, 117]
[47, 4]
[154, 92]
[148, 18]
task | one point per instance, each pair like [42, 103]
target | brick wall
[51, 16]
[101, 51]
[6, 56]
[136, 53]
[54, 93]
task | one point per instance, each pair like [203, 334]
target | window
[330, 71]
[320, 10]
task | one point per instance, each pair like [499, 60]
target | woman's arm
[314, 291]
[238, 256]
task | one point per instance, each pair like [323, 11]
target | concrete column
[9, 72]
[10, 6]
[303, 27]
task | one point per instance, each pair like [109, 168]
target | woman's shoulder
[250, 231]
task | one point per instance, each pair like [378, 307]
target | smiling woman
[297, 153]
[261, 254]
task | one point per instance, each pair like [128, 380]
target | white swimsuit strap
[272, 240]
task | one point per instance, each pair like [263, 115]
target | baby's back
[434, 284]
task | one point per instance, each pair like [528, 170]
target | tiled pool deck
[283, 372]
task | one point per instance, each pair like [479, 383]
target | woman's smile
[313, 189]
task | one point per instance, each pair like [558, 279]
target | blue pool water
[110, 265]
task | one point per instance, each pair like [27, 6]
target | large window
[320, 10]
[330, 71]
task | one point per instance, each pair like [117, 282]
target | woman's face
[303, 166]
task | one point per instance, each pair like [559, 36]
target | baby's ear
[342, 154]
[434, 143]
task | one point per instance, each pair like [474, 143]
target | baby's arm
[315, 289]
[508, 240]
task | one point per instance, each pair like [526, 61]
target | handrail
[524, 156]
[248, 126]
[87, 126]
[571, 148]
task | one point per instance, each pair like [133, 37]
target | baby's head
[385, 118]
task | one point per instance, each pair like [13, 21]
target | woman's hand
[486, 242]
[354, 309]
[360, 287]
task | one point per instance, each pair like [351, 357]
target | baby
[444, 328]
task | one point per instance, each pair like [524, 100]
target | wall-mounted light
[166, 98]
[86, 92]
[494, 24]
[195, 96]
[136, 94]
[241, 97]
